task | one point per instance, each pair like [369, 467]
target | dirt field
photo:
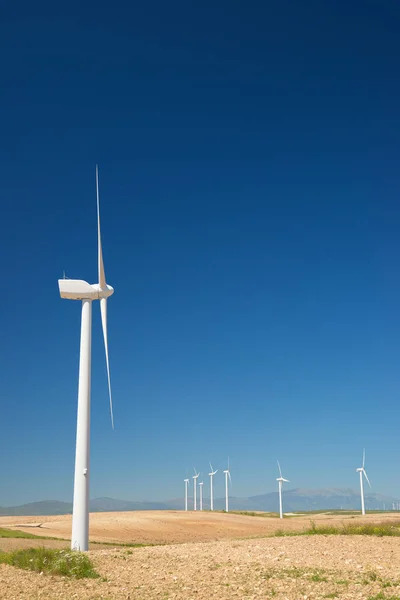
[291, 568]
[298, 568]
[167, 527]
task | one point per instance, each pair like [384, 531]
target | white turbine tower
[227, 476]
[280, 480]
[195, 476]
[211, 487]
[76, 289]
[362, 472]
[201, 494]
[186, 493]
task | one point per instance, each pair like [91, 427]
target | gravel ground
[292, 568]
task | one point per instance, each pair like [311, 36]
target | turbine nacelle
[228, 473]
[362, 469]
[363, 472]
[212, 471]
[282, 479]
[77, 289]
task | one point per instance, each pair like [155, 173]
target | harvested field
[168, 527]
[291, 568]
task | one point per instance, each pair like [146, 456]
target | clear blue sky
[249, 172]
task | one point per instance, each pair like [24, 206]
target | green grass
[382, 596]
[250, 513]
[391, 529]
[317, 577]
[54, 562]
[338, 511]
[125, 545]
[15, 533]
[377, 529]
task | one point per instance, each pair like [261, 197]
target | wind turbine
[195, 476]
[201, 494]
[211, 487]
[186, 493]
[280, 480]
[227, 475]
[77, 289]
[362, 472]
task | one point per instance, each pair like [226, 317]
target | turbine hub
[103, 292]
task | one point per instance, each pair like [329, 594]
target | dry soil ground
[291, 568]
[168, 527]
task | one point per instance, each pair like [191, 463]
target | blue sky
[249, 179]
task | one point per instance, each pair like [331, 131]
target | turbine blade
[279, 467]
[102, 276]
[366, 477]
[103, 309]
[287, 480]
[230, 478]
[211, 467]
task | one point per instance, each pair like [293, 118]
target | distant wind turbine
[186, 493]
[362, 472]
[195, 476]
[77, 289]
[227, 475]
[211, 487]
[280, 480]
[201, 494]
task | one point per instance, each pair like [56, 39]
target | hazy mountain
[54, 507]
[304, 499]
[299, 500]
[294, 500]
[45, 507]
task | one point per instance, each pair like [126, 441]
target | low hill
[45, 507]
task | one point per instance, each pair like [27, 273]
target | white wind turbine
[186, 493]
[227, 476]
[280, 480]
[77, 289]
[201, 494]
[195, 476]
[211, 487]
[362, 472]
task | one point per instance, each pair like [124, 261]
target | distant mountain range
[299, 499]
